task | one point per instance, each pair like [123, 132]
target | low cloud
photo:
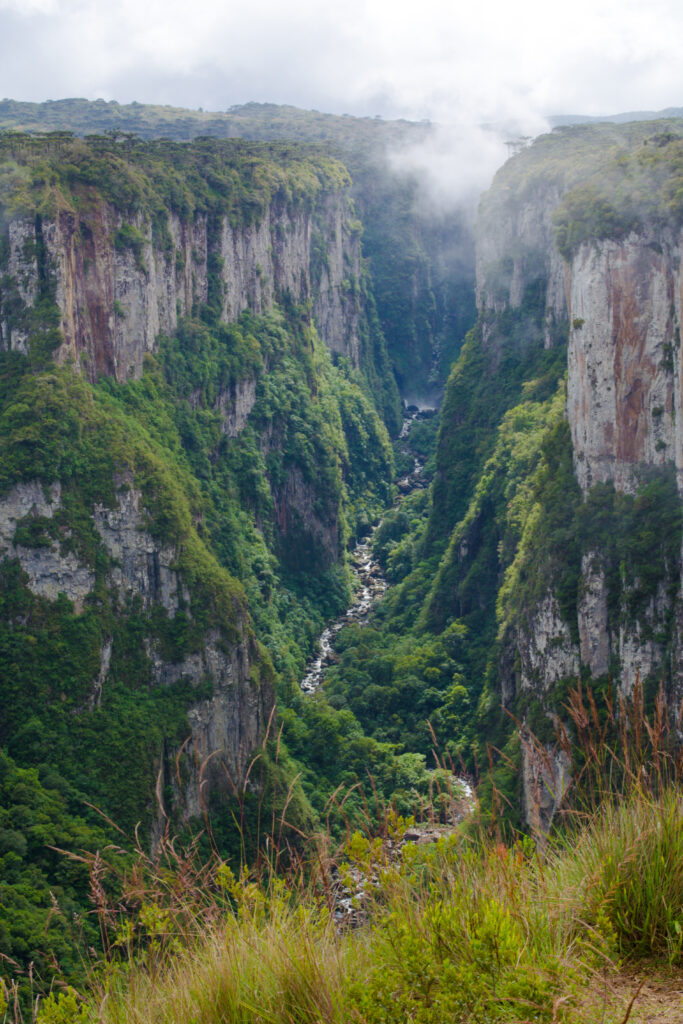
[456, 162]
[452, 63]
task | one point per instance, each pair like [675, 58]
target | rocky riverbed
[371, 582]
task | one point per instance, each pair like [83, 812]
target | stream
[350, 893]
[371, 582]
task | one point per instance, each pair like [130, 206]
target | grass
[625, 875]
[463, 930]
[585, 927]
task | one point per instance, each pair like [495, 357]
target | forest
[177, 528]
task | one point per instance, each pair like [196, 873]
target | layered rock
[621, 299]
[592, 615]
[49, 570]
[624, 360]
[118, 287]
[227, 726]
[120, 280]
[141, 566]
[235, 404]
[547, 654]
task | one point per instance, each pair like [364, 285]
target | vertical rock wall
[624, 360]
[116, 299]
[622, 302]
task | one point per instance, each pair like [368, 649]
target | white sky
[463, 60]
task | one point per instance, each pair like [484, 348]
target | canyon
[201, 424]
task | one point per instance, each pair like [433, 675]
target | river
[371, 581]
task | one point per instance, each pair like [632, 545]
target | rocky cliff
[624, 359]
[558, 484]
[118, 289]
[516, 254]
[620, 298]
[421, 260]
[175, 438]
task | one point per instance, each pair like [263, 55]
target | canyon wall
[118, 286]
[621, 302]
[599, 583]
[89, 285]
[624, 381]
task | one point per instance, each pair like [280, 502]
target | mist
[455, 163]
[449, 63]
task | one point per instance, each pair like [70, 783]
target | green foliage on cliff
[55, 427]
[421, 264]
[243, 454]
[506, 528]
[488, 536]
[237, 178]
[42, 893]
[146, 183]
[585, 216]
[568, 156]
[327, 442]
[419, 677]
[421, 261]
[487, 380]
[272, 507]
[636, 184]
[603, 180]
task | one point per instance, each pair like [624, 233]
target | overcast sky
[442, 59]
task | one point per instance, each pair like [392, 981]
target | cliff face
[624, 382]
[598, 570]
[117, 288]
[515, 252]
[229, 724]
[49, 571]
[150, 512]
[621, 300]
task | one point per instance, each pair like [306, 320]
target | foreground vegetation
[465, 929]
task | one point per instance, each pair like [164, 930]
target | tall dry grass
[466, 930]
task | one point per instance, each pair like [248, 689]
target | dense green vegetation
[441, 655]
[464, 928]
[570, 156]
[419, 676]
[253, 566]
[237, 178]
[42, 893]
[638, 189]
[421, 262]
[259, 121]
[258, 525]
[214, 501]
[506, 525]
[605, 179]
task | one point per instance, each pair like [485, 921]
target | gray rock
[50, 573]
